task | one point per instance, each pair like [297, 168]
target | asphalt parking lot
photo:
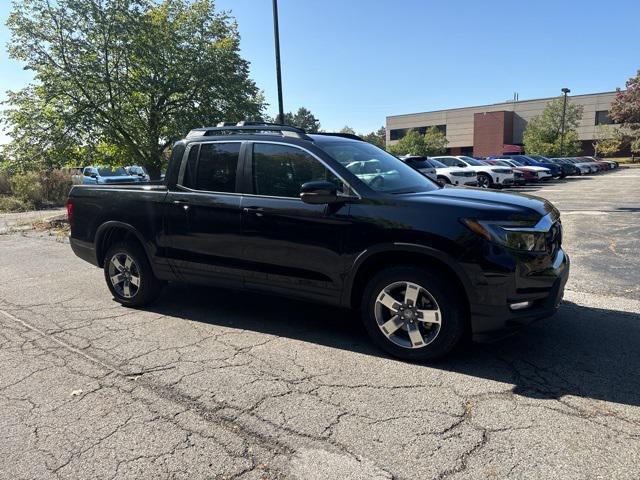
[216, 384]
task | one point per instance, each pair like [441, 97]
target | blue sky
[353, 62]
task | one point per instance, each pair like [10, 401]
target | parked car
[464, 177]
[530, 174]
[612, 163]
[556, 171]
[104, 175]
[582, 169]
[488, 175]
[566, 167]
[421, 164]
[603, 166]
[139, 171]
[269, 208]
[591, 167]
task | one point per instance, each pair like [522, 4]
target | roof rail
[228, 128]
[343, 135]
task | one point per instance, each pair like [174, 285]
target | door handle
[184, 203]
[257, 211]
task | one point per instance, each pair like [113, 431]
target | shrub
[12, 204]
[41, 189]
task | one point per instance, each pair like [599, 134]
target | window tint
[280, 171]
[215, 169]
[448, 161]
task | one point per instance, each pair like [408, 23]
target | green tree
[608, 141]
[378, 138]
[304, 119]
[433, 142]
[134, 74]
[543, 133]
[625, 110]
[347, 129]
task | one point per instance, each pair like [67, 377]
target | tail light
[70, 211]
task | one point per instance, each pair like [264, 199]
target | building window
[398, 133]
[468, 151]
[602, 118]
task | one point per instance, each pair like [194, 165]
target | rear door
[292, 247]
[203, 215]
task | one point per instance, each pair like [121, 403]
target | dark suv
[329, 219]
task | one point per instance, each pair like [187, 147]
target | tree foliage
[378, 138]
[304, 119]
[625, 110]
[347, 129]
[543, 133]
[608, 141]
[133, 74]
[433, 142]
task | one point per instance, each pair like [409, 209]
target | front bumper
[491, 315]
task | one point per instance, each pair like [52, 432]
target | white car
[488, 175]
[421, 164]
[454, 175]
[541, 172]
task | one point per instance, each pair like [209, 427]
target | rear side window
[280, 170]
[213, 167]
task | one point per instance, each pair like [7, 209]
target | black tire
[484, 181]
[444, 180]
[447, 298]
[149, 286]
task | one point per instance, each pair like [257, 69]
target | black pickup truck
[333, 219]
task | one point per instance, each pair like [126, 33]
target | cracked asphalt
[217, 384]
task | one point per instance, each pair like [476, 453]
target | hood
[485, 205]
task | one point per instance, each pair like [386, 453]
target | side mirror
[316, 193]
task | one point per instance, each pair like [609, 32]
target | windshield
[376, 168]
[473, 161]
[108, 172]
[437, 164]
[515, 162]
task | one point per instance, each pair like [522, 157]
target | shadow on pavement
[584, 352]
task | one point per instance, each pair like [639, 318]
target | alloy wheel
[483, 181]
[408, 315]
[125, 275]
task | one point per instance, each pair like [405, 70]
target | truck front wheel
[412, 313]
[129, 275]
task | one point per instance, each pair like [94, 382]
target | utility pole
[276, 34]
[564, 114]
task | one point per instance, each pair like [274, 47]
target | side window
[280, 171]
[448, 161]
[215, 167]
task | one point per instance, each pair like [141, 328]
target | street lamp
[276, 34]
[564, 114]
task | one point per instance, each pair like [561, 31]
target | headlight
[514, 235]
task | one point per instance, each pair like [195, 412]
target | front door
[291, 246]
[203, 216]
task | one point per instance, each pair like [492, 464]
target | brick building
[498, 128]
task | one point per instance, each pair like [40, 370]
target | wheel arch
[383, 256]
[114, 231]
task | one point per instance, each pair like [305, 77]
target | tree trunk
[154, 171]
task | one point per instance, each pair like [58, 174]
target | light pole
[276, 34]
[564, 114]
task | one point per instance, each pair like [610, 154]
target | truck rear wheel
[129, 275]
[412, 314]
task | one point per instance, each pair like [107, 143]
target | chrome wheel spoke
[392, 325]
[126, 289]
[128, 261]
[411, 294]
[117, 264]
[116, 279]
[135, 281]
[429, 316]
[415, 336]
[389, 302]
